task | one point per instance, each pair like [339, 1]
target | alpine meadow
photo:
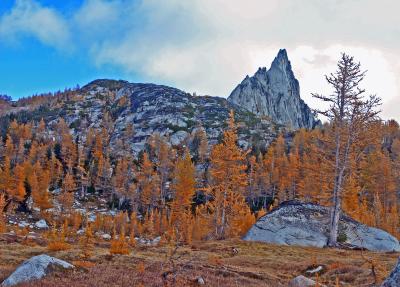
[290, 177]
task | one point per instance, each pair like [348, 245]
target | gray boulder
[306, 224]
[41, 224]
[394, 278]
[35, 268]
[301, 281]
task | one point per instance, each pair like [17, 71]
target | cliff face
[275, 93]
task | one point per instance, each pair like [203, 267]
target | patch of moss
[342, 237]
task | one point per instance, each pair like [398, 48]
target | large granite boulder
[394, 278]
[306, 224]
[35, 268]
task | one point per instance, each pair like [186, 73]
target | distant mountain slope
[275, 93]
[149, 109]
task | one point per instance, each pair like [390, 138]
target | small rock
[92, 217]
[106, 236]
[41, 224]
[301, 281]
[35, 268]
[200, 281]
[56, 191]
[23, 224]
[156, 240]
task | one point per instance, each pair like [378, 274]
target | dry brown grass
[58, 246]
[256, 264]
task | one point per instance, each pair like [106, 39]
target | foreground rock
[35, 268]
[301, 281]
[306, 224]
[394, 278]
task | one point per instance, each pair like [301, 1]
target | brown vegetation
[256, 264]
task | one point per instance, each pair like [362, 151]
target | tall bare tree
[350, 112]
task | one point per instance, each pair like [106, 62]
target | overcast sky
[203, 46]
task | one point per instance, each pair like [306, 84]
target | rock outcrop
[175, 114]
[394, 278]
[35, 268]
[150, 109]
[306, 224]
[275, 93]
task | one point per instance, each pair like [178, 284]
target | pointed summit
[275, 93]
[282, 54]
[281, 60]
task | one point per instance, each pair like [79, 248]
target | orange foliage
[57, 239]
[87, 242]
[120, 246]
[2, 206]
[228, 182]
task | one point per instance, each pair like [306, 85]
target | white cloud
[208, 46]
[29, 18]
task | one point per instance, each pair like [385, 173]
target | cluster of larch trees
[194, 191]
[162, 187]
[168, 194]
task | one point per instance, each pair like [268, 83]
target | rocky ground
[212, 263]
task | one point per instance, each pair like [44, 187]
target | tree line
[194, 191]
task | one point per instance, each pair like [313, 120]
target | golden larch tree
[227, 184]
[184, 188]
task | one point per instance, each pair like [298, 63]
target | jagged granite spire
[275, 93]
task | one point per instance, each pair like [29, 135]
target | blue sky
[202, 46]
[30, 66]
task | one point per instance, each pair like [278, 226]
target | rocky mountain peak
[281, 58]
[275, 93]
[105, 84]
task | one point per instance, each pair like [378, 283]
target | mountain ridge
[150, 109]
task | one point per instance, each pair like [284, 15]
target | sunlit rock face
[275, 93]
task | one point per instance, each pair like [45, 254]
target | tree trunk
[340, 168]
[223, 218]
[334, 223]
[335, 210]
